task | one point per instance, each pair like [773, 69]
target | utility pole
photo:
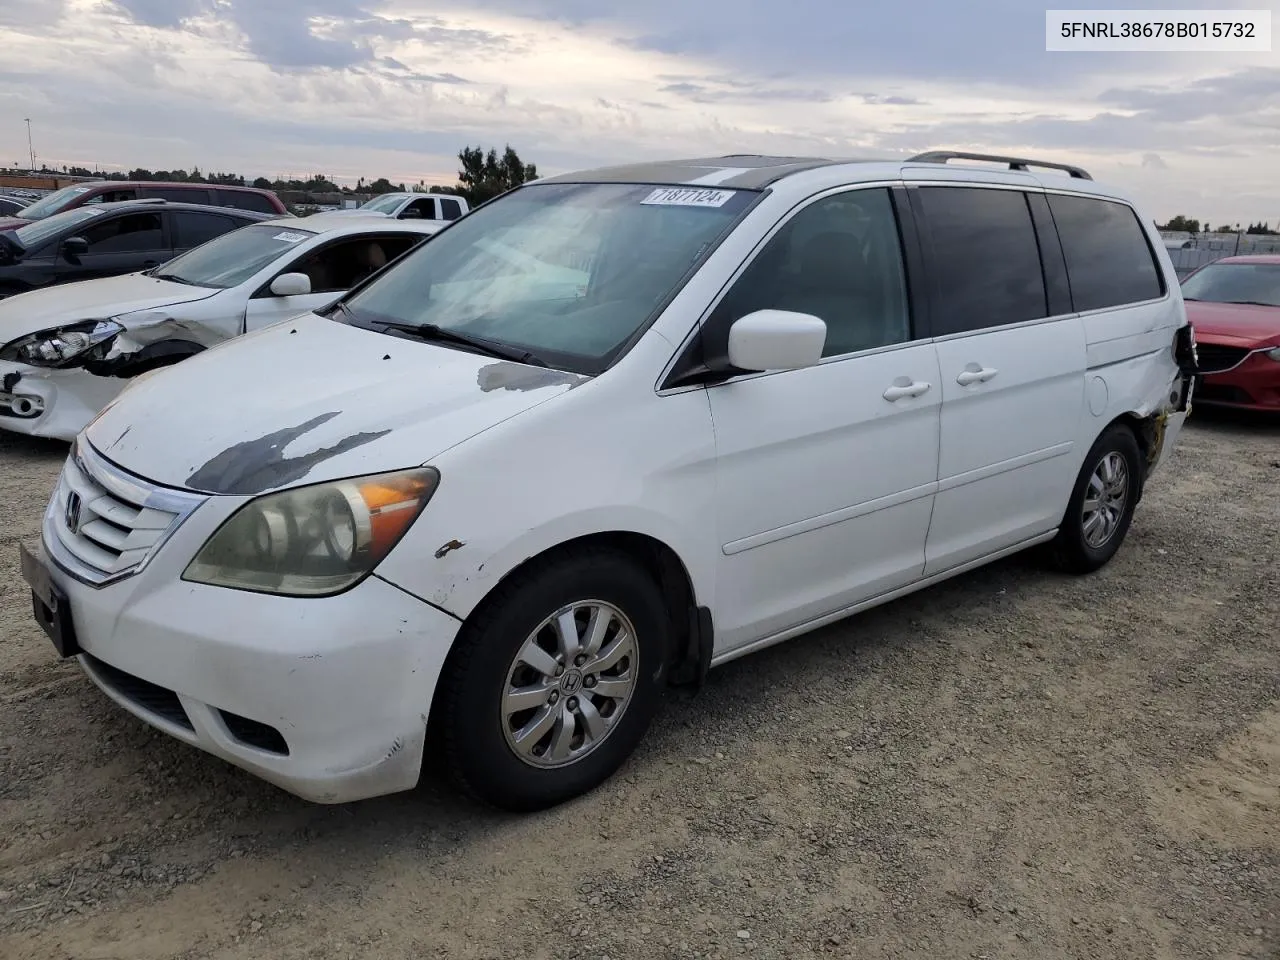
[30, 149]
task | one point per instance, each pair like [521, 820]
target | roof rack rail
[1015, 163]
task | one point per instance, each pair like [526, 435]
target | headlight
[314, 541]
[57, 347]
[1274, 354]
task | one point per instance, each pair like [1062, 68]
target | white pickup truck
[412, 206]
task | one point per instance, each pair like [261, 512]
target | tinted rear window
[1109, 261]
[178, 194]
[246, 201]
[985, 259]
[451, 209]
[193, 229]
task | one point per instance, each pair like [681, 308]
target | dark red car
[1234, 306]
[113, 191]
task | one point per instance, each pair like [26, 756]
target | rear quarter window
[1109, 260]
[178, 194]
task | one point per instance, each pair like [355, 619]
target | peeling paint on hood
[306, 401]
[505, 375]
[253, 466]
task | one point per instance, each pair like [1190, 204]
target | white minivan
[604, 433]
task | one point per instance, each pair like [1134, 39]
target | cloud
[892, 100]
[396, 87]
[30, 14]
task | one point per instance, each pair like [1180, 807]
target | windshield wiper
[1252, 303]
[434, 333]
[172, 277]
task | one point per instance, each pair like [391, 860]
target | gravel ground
[1014, 764]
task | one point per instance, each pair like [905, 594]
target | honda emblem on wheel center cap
[571, 683]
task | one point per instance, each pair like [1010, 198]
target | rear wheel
[1102, 503]
[554, 681]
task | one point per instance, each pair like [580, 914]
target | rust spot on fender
[449, 548]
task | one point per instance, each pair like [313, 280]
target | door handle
[970, 376]
[902, 391]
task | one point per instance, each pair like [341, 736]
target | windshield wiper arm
[171, 277]
[433, 332]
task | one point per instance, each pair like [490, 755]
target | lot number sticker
[290, 237]
[687, 197]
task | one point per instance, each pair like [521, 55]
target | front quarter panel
[609, 456]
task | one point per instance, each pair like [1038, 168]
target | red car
[1234, 306]
[113, 191]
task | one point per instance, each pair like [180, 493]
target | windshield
[386, 203]
[1235, 283]
[234, 257]
[53, 202]
[568, 272]
[34, 234]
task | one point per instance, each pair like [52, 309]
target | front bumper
[1253, 385]
[327, 698]
[40, 402]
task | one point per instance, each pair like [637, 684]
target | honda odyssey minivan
[606, 432]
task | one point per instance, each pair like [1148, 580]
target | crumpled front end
[51, 403]
[54, 382]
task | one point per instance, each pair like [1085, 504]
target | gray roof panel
[746, 171]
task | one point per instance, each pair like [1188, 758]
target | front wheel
[554, 682]
[1101, 505]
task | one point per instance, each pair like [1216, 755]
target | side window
[1109, 261]
[451, 209]
[985, 260]
[134, 233]
[113, 196]
[424, 209]
[839, 259]
[245, 201]
[177, 194]
[343, 264]
[193, 229]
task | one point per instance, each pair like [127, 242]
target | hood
[310, 400]
[62, 303]
[13, 223]
[1234, 324]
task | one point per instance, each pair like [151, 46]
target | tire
[480, 726]
[1085, 544]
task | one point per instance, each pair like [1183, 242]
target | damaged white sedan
[69, 350]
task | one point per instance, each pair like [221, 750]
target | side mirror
[776, 340]
[291, 285]
[73, 248]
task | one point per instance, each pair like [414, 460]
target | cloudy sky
[396, 87]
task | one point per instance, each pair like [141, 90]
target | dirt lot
[1015, 764]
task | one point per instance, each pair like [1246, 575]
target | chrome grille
[103, 524]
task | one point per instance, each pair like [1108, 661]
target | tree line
[482, 175]
[1181, 224]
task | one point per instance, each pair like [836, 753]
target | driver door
[123, 243]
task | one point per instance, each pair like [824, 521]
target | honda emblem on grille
[72, 515]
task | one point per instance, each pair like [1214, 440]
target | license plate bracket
[49, 604]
